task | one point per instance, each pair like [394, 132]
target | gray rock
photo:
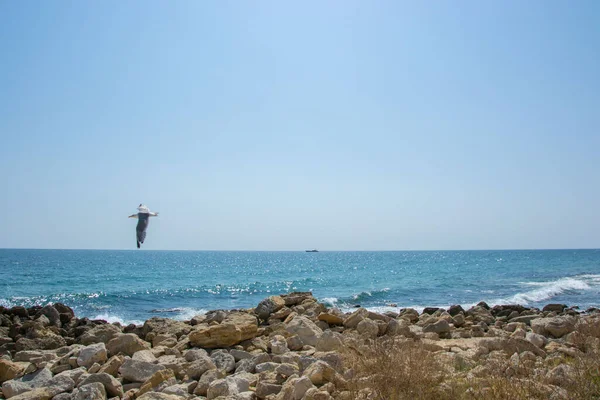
[92, 391]
[353, 319]
[223, 361]
[126, 343]
[264, 389]
[206, 379]
[278, 345]
[112, 386]
[330, 341]
[306, 330]
[144, 355]
[100, 333]
[92, 354]
[368, 328]
[198, 367]
[556, 327]
[138, 371]
[195, 354]
[37, 379]
[268, 306]
[440, 326]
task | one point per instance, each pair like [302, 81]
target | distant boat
[312, 251]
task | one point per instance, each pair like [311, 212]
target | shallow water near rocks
[132, 286]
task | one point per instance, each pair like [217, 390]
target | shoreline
[290, 345]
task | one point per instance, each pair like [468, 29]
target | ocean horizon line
[304, 250]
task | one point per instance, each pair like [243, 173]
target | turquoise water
[132, 286]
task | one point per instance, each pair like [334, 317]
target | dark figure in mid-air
[143, 217]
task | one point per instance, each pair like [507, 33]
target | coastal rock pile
[288, 347]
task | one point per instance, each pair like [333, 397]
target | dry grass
[399, 369]
[395, 369]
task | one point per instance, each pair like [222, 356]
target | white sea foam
[330, 300]
[115, 318]
[547, 290]
[188, 313]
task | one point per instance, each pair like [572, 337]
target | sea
[133, 286]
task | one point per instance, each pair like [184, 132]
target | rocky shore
[293, 347]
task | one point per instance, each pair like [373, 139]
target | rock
[165, 326]
[126, 343]
[195, 354]
[99, 334]
[458, 320]
[526, 319]
[268, 306]
[455, 310]
[511, 345]
[331, 319]
[48, 341]
[198, 367]
[353, 319]
[264, 389]
[206, 379]
[92, 354]
[329, 341]
[157, 378]
[431, 310]
[306, 330]
[537, 340]
[52, 314]
[561, 375]
[112, 386]
[555, 327]
[9, 370]
[320, 373]
[240, 354]
[440, 326]
[294, 388]
[224, 361]
[144, 355]
[35, 394]
[368, 328]
[38, 379]
[397, 327]
[409, 314]
[92, 391]
[480, 313]
[234, 329]
[112, 366]
[278, 345]
[181, 390]
[138, 371]
[557, 308]
[295, 298]
[159, 396]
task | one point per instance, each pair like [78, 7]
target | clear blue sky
[340, 125]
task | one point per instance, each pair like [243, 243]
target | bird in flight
[143, 215]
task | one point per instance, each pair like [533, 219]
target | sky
[267, 125]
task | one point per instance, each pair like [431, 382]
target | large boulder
[308, 332]
[233, 329]
[138, 371]
[268, 306]
[38, 379]
[46, 341]
[354, 319]
[9, 370]
[165, 326]
[112, 386]
[127, 343]
[554, 327]
[95, 353]
[100, 333]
